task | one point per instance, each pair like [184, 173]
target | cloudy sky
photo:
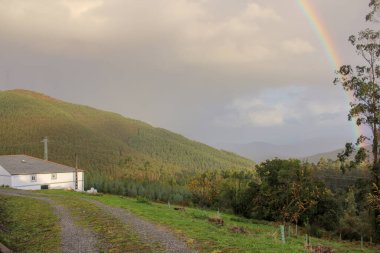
[213, 70]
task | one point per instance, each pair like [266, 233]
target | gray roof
[23, 164]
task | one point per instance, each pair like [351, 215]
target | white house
[30, 173]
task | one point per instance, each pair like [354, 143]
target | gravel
[149, 233]
[74, 238]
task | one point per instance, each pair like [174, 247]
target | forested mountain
[107, 144]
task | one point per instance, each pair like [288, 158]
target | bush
[143, 200]
[315, 231]
[199, 215]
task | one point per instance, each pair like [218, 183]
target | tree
[363, 83]
[236, 191]
[375, 7]
[374, 200]
[287, 191]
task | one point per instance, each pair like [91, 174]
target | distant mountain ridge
[310, 150]
[106, 143]
[333, 155]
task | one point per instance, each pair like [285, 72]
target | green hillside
[107, 144]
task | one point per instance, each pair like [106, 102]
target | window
[34, 178]
[54, 176]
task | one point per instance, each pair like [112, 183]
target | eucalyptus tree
[362, 82]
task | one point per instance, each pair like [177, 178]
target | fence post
[361, 241]
[282, 229]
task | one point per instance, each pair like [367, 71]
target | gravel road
[148, 232]
[76, 239]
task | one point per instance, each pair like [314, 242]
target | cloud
[188, 30]
[78, 8]
[297, 46]
[280, 107]
[254, 11]
[233, 40]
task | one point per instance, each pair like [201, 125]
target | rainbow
[327, 42]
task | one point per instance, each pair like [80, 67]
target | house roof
[23, 164]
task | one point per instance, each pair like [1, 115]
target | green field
[193, 226]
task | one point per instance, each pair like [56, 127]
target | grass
[28, 225]
[193, 226]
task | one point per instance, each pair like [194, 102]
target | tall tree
[363, 83]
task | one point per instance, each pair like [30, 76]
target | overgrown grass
[194, 227]
[28, 225]
[113, 235]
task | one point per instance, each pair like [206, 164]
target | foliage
[375, 7]
[353, 223]
[287, 191]
[363, 83]
[326, 213]
[224, 189]
[374, 199]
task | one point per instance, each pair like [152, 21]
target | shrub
[143, 200]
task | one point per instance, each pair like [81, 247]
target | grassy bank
[28, 225]
[237, 235]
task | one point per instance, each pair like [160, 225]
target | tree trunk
[375, 143]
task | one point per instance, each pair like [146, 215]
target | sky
[216, 71]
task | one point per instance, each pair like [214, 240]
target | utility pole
[76, 171]
[45, 141]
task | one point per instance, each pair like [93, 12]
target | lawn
[28, 225]
[193, 226]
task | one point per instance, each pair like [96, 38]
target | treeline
[154, 191]
[285, 191]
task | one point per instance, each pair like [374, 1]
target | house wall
[5, 177]
[63, 181]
